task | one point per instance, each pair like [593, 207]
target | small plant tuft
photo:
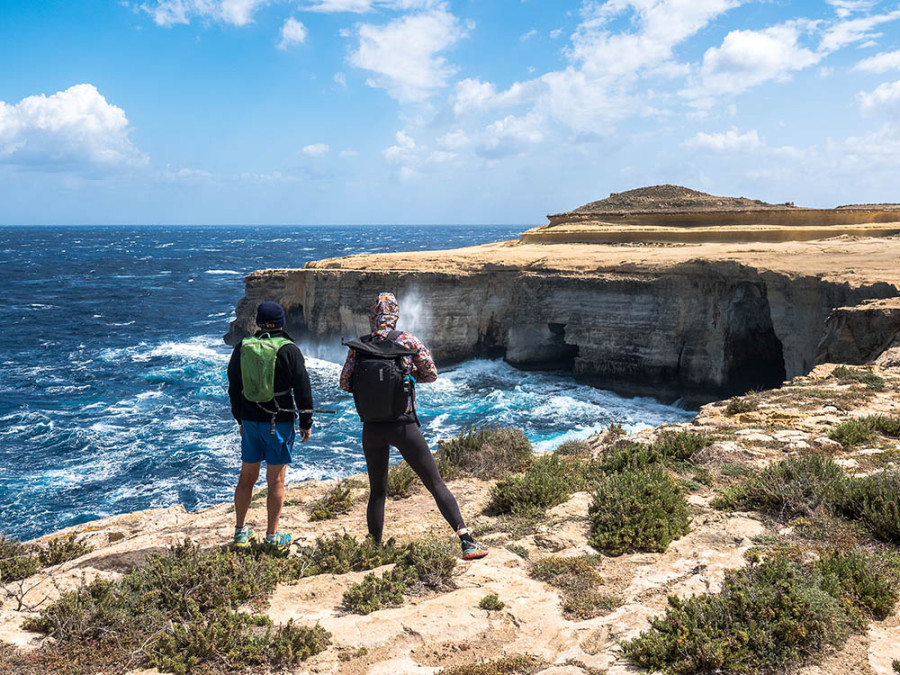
[336, 501]
[849, 375]
[578, 579]
[852, 432]
[518, 550]
[574, 449]
[544, 485]
[402, 481]
[741, 404]
[59, 551]
[491, 603]
[520, 664]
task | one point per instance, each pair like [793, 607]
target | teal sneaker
[472, 550]
[282, 542]
[245, 538]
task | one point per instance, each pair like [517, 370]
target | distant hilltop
[672, 213]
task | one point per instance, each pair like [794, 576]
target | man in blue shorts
[267, 427]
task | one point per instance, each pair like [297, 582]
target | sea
[112, 369]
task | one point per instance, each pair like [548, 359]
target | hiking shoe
[472, 550]
[245, 538]
[282, 542]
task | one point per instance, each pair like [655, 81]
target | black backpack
[381, 383]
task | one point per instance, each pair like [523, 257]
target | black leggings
[377, 439]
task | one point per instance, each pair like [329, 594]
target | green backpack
[258, 366]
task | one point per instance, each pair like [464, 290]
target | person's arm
[347, 371]
[423, 368]
[235, 383]
[302, 392]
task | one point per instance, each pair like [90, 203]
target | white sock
[240, 530]
[270, 538]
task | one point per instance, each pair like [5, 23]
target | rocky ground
[440, 630]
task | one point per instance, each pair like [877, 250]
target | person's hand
[305, 434]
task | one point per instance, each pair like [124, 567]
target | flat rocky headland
[694, 317]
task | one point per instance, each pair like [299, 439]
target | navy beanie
[270, 314]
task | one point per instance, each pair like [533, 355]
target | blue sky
[432, 111]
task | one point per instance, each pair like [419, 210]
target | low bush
[374, 593]
[178, 610]
[342, 553]
[427, 564]
[768, 616]
[866, 583]
[17, 560]
[637, 510]
[545, 484]
[506, 665]
[875, 500]
[578, 579]
[402, 481]
[797, 486]
[520, 551]
[59, 551]
[491, 603]
[884, 424]
[574, 449]
[336, 501]
[668, 448]
[866, 377]
[489, 452]
[852, 432]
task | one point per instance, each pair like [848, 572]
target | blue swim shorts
[259, 444]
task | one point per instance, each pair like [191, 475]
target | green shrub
[734, 471]
[235, 641]
[372, 593]
[489, 452]
[669, 447]
[544, 485]
[895, 664]
[402, 481]
[849, 375]
[865, 582]
[875, 500]
[505, 665]
[578, 579]
[703, 476]
[574, 449]
[342, 553]
[423, 564]
[680, 445]
[852, 432]
[767, 617]
[883, 424]
[637, 510]
[17, 560]
[62, 550]
[797, 486]
[336, 501]
[491, 603]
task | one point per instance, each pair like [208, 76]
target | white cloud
[293, 32]
[527, 36]
[855, 30]
[555, 33]
[348, 153]
[454, 140]
[72, 129]
[363, 6]
[881, 63]
[341, 80]
[510, 136]
[885, 97]
[172, 12]
[844, 8]
[404, 150]
[749, 58]
[403, 54]
[729, 141]
[315, 150]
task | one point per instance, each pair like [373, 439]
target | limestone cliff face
[862, 333]
[695, 330]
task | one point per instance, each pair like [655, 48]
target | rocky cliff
[690, 321]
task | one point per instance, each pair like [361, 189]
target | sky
[437, 111]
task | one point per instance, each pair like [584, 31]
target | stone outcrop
[861, 333]
[691, 322]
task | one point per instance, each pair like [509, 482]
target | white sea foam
[223, 272]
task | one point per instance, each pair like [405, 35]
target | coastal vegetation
[335, 502]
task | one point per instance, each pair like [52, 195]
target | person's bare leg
[243, 493]
[275, 474]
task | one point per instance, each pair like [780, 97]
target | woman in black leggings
[403, 432]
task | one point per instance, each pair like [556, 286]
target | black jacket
[290, 376]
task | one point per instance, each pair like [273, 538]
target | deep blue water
[112, 369]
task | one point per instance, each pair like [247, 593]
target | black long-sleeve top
[290, 376]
